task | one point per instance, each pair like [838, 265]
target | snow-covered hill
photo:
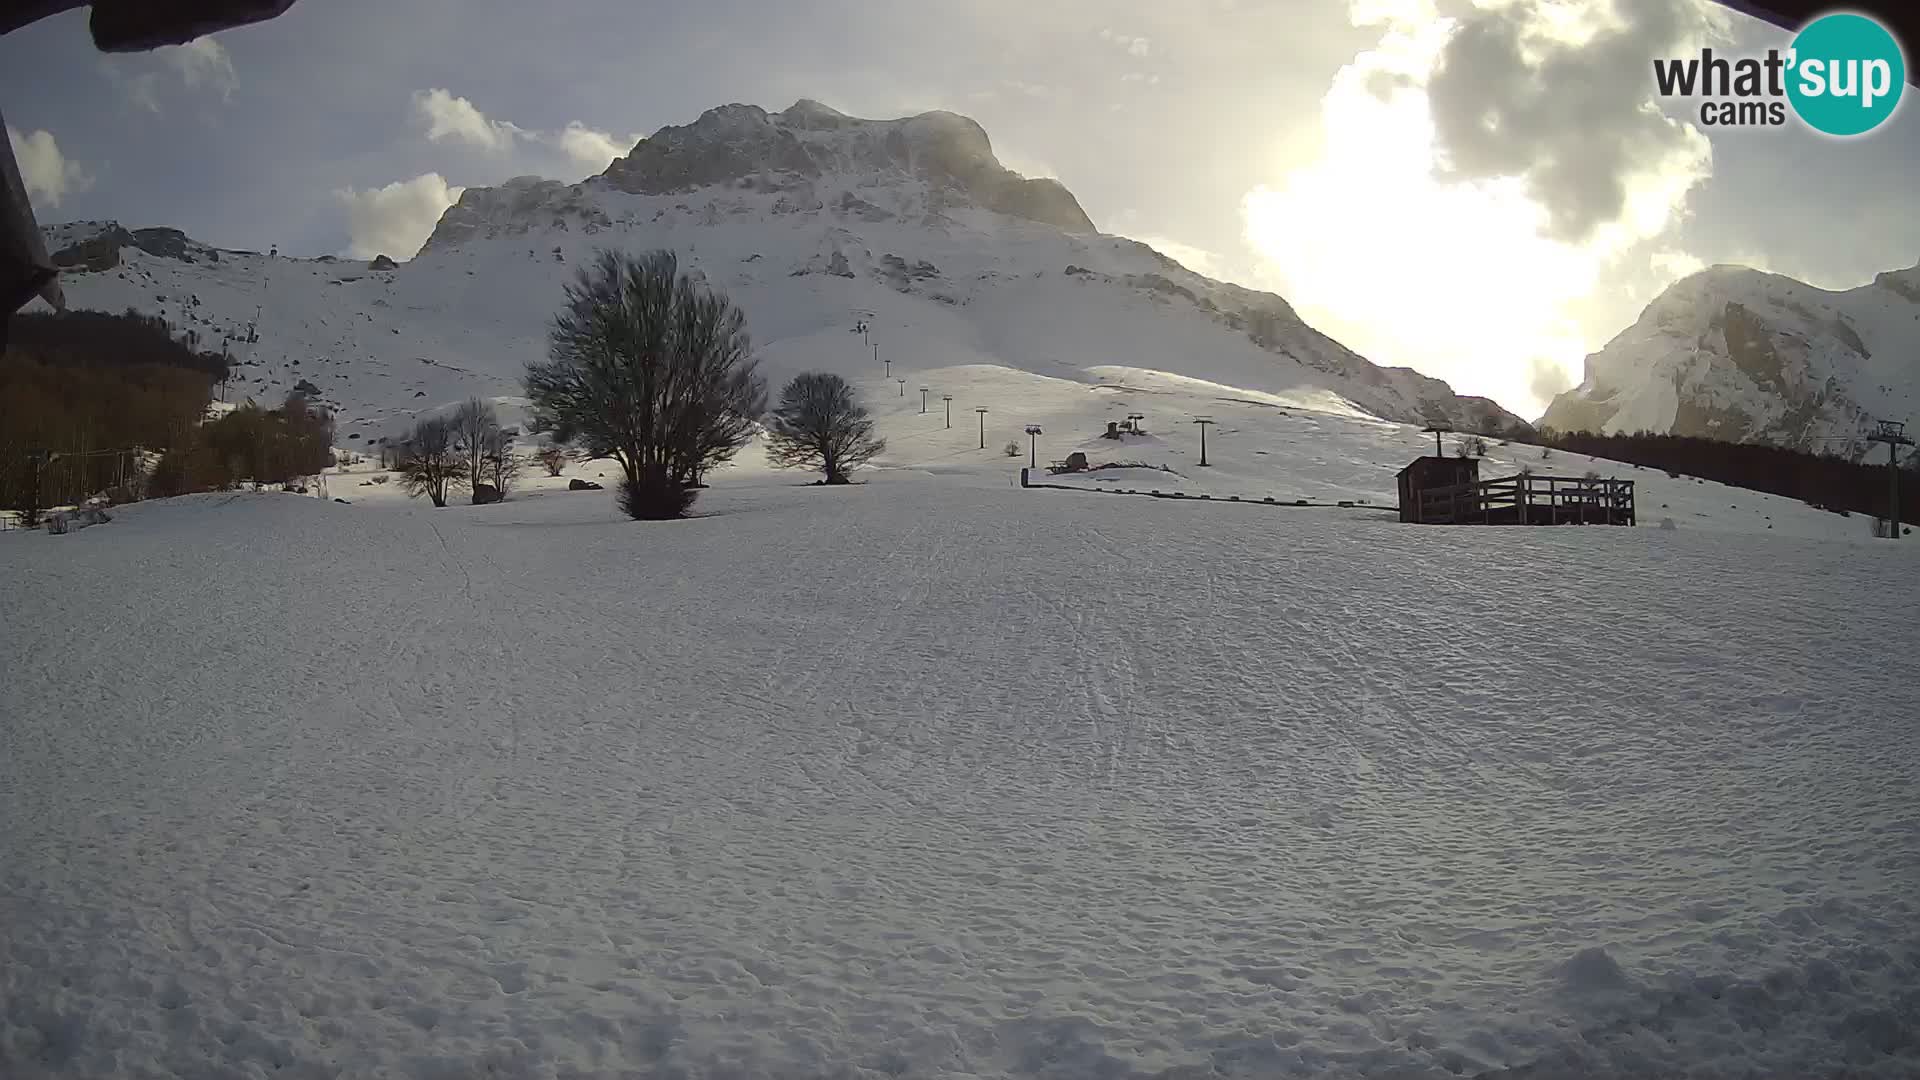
[1741, 355]
[810, 219]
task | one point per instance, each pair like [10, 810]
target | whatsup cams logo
[1841, 75]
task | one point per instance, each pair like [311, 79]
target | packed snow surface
[939, 777]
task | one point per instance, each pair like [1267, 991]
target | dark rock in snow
[101, 252]
[485, 494]
[166, 243]
[381, 262]
[577, 484]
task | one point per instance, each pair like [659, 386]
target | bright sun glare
[1458, 278]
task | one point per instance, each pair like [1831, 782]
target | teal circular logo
[1845, 74]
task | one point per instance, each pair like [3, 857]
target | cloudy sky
[1485, 190]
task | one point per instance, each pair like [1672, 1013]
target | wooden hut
[1431, 472]
[1449, 491]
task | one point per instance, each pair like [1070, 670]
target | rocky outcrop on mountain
[1735, 354]
[381, 262]
[172, 244]
[95, 246]
[520, 205]
[95, 253]
[746, 145]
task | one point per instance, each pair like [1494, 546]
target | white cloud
[1134, 46]
[447, 116]
[592, 149]
[48, 175]
[143, 90]
[202, 62]
[1473, 275]
[1675, 265]
[456, 118]
[396, 219]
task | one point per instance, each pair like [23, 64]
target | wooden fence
[1530, 500]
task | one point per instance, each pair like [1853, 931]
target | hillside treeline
[1822, 479]
[266, 446]
[88, 399]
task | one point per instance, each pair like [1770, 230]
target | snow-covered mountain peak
[806, 158]
[811, 144]
[1735, 353]
[815, 222]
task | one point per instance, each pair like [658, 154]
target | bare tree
[429, 462]
[475, 427]
[652, 369]
[554, 459]
[819, 425]
[502, 467]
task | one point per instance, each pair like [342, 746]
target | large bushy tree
[819, 424]
[653, 369]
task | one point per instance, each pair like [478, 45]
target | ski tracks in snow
[938, 779]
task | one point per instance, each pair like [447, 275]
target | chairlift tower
[1438, 430]
[948, 399]
[1895, 436]
[923, 401]
[1033, 438]
[982, 410]
[1203, 421]
[903, 386]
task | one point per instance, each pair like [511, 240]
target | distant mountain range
[812, 220]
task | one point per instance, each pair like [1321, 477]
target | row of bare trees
[465, 448]
[655, 370]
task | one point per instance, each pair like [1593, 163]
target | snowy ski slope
[934, 776]
[938, 777]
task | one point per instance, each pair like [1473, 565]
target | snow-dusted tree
[475, 427]
[653, 369]
[429, 462]
[820, 425]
